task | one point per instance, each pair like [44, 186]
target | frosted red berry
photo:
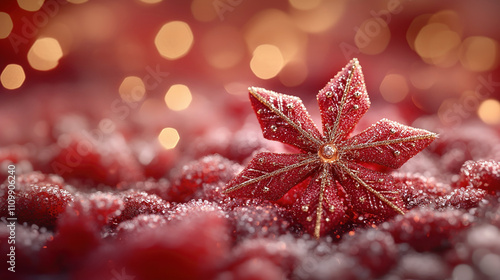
[140, 223]
[254, 220]
[374, 250]
[160, 187]
[108, 161]
[188, 183]
[426, 229]
[192, 248]
[39, 199]
[482, 174]
[284, 252]
[419, 190]
[137, 203]
[78, 234]
[42, 205]
[25, 181]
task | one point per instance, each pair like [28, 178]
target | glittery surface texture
[284, 118]
[340, 188]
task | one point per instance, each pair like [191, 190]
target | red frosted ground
[99, 194]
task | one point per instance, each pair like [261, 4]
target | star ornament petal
[339, 184]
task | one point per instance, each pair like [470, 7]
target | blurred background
[169, 72]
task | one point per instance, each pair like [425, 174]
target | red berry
[419, 190]
[261, 219]
[140, 223]
[39, 179]
[473, 141]
[42, 205]
[159, 187]
[194, 208]
[88, 161]
[462, 198]
[284, 253]
[136, 203]
[78, 234]
[102, 208]
[213, 192]
[195, 247]
[373, 249]
[482, 174]
[426, 229]
[39, 199]
[189, 181]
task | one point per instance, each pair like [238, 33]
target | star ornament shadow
[340, 187]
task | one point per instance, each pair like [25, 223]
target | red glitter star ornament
[339, 185]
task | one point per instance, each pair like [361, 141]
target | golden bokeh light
[275, 27]
[44, 54]
[394, 88]
[319, 19]
[479, 53]
[415, 26]
[77, 1]
[132, 89]
[223, 46]
[12, 76]
[203, 10]
[450, 18]
[178, 97]
[373, 36]
[150, 1]
[437, 44]
[168, 138]
[304, 4]
[267, 61]
[30, 5]
[6, 25]
[62, 33]
[174, 40]
[489, 111]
